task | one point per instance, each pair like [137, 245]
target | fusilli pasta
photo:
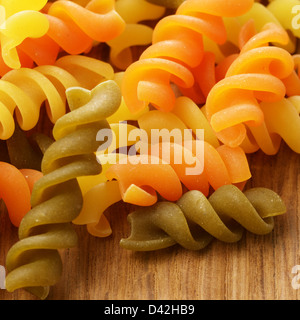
[19, 21]
[136, 33]
[15, 189]
[195, 220]
[74, 28]
[34, 262]
[23, 91]
[167, 59]
[255, 76]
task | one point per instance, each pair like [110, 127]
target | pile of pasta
[89, 91]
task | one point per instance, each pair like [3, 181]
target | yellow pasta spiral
[195, 220]
[34, 262]
[23, 91]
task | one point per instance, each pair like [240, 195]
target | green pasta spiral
[34, 262]
[194, 221]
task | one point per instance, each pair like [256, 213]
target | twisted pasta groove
[178, 158]
[18, 22]
[34, 262]
[195, 220]
[281, 123]
[255, 76]
[135, 33]
[23, 91]
[198, 167]
[168, 59]
[74, 28]
[16, 184]
[221, 164]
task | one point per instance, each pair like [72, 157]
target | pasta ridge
[194, 220]
[16, 184]
[177, 48]
[23, 91]
[136, 33]
[256, 75]
[34, 261]
[74, 28]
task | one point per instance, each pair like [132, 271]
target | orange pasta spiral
[15, 189]
[73, 28]
[255, 76]
[163, 167]
[177, 48]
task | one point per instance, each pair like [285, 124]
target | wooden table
[257, 267]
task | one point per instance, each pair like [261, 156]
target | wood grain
[257, 267]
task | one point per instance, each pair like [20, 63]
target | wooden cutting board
[257, 267]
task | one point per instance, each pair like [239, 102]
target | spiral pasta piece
[23, 91]
[261, 15]
[147, 81]
[255, 76]
[34, 262]
[222, 164]
[282, 123]
[287, 14]
[73, 28]
[19, 20]
[95, 201]
[167, 149]
[140, 176]
[123, 113]
[136, 33]
[15, 189]
[195, 220]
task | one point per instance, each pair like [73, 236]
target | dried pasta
[34, 262]
[123, 113]
[206, 75]
[135, 33]
[98, 194]
[282, 123]
[19, 21]
[141, 176]
[194, 221]
[222, 164]
[95, 201]
[233, 103]
[197, 166]
[147, 81]
[261, 15]
[15, 189]
[74, 28]
[283, 11]
[23, 91]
